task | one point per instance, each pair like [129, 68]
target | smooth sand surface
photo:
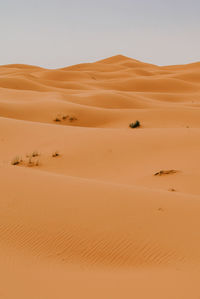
[82, 213]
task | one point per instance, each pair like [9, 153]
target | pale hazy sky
[56, 33]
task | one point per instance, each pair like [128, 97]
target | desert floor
[82, 213]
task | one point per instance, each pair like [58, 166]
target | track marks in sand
[117, 228]
[80, 247]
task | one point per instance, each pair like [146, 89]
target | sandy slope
[94, 221]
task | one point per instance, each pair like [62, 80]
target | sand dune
[83, 214]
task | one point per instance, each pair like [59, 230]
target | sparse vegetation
[134, 125]
[57, 119]
[55, 154]
[37, 162]
[31, 160]
[64, 117]
[72, 118]
[163, 172]
[35, 154]
[172, 189]
[28, 161]
[16, 161]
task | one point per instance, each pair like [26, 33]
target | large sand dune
[82, 213]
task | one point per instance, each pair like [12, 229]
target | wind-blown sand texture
[82, 213]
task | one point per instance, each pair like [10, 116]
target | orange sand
[94, 221]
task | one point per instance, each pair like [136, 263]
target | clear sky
[56, 33]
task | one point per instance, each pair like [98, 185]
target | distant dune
[83, 214]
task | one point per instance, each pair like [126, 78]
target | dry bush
[16, 160]
[134, 125]
[164, 172]
[55, 154]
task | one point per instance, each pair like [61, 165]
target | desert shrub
[55, 154]
[16, 161]
[30, 163]
[57, 119]
[37, 162]
[163, 172]
[63, 117]
[135, 124]
[72, 118]
[35, 154]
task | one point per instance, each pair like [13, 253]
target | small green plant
[16, 161]
[134, 125]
